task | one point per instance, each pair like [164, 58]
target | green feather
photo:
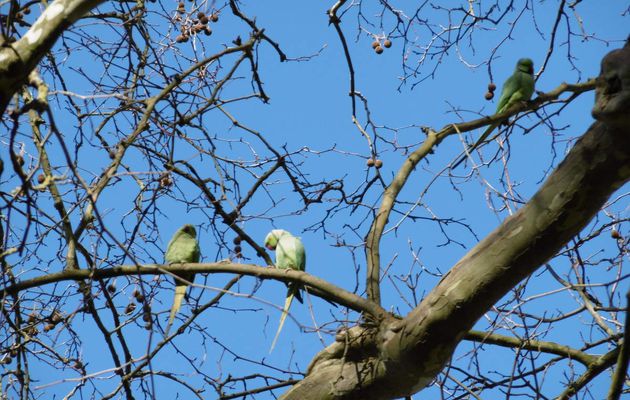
[517, 88]
[290, 254]
[183, 248]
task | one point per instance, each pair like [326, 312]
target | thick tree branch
[412, 351]
[372, 242]
[324, 289]
[535, 345]
[18, 59]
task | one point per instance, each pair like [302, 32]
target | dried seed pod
[131, 307]
[111, 288]
[615, 234]
[492, 87]
[49, 327]
[204, 20]
[378, 50]
[166, 181]
[370, 162]
[375, 44]
[237, 249]
[387, 43]
[214, 17]
[208, 31]
[237, 240]
[32, 317]
[201, 14]
[19, 159]
[41, 178]
[488, 95]
[378, 163]
[56, 317]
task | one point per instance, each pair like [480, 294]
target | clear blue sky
[310, 108]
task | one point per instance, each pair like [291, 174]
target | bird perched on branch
[183, 248]
[517, 88]
[289, 254]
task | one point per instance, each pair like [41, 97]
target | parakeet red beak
[270, 247]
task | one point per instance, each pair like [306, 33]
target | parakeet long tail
[285, 312]
[180, 292]
[483, 137]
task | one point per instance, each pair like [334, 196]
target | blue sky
[310, 109]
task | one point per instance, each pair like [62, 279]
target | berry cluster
[378, 48]
[490, 93]
[195, 25]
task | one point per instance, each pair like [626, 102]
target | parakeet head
[189, 229]
[271, 240]
[525, 65]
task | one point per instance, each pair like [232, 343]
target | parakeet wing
[518, 87]
[183, 248]
[290, 253]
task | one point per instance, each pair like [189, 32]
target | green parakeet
[289, 254]
[183, 248]
[517, 88]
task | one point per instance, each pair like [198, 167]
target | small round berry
[375, 44]
[370, 162]
[378, 164]
[387, 43]
[489, 95]
[378, 49]
[615, 234]
[492, 87]
[237, 240]
[41, 178]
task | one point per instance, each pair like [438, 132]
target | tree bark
[19, 59]
[397, 358]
